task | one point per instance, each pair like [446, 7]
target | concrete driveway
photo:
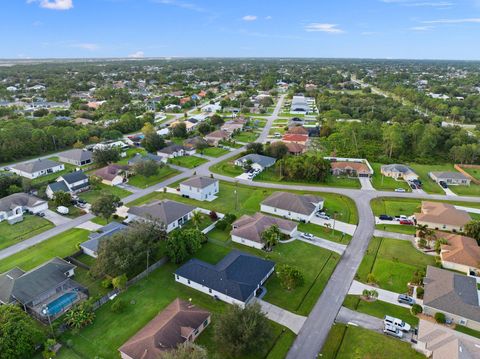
[281, 316]
[469, 209]
[366, 184]
[448, 191]
[348, 316]
[394, 235]
[357, 288]
[324, 243]
[339, 225]
[55, 218]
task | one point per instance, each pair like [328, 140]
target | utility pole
[148, 257]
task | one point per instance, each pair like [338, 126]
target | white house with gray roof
[172, 214]
[73, 183]
[255, 161]
[90, 247]
[37, 168]
[14, 206]
[200, 188]
[450, 178]
[293, 206]
[77, 157]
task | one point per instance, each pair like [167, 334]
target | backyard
[214, 151]
[187, 161]
[393, 263]
[143, 182]
[93, 194]
[246, 136]
[29, 227]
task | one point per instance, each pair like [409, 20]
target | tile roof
[460, 249]
[297, 130]
[442, 213]
[252, 227]
[294, 137]
[359, 167]
[295, 147]
[303, 204]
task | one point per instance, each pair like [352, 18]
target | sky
[400, 29]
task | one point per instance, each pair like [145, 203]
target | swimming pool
[58, 304]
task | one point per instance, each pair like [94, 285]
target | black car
[413, 186]
[405, 299]
[443, 184]
[384, 217]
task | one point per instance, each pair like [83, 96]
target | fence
[460, 168]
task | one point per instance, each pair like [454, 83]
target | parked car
[413, 186]
[384, 217]
[41, 214]
[406, 299]
[393, 331]
[397, 323]
[306, 235]
[406, 222]
[443, 184]
[399, 190]
[322, 215]
[62, 210]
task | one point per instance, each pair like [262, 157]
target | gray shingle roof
[75, 176]
[261, 160]
[303, 204]
[36, 166]
[237, 275]
[397, 168]
[165, 211]
[199, 182]
[252, 227]
[104, 232]
[171, 149]
[19, 199]
[452, 175]
[147, 157]
[58, 187]
[77, 155]
[452, 293]
[6, 284]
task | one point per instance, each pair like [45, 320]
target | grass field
[393, 263]
[93, 194]
[60, 245]
[246, 136]
[187, 161]
[325, 233]
[214, 151]
[227, 167]
[383, 183]
[428, 184]
[397, 228]
[379, 309]
[468, 331]
[144, 182]
[348, 342]
[29, 227]
[247, 201]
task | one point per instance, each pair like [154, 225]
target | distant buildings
[398, 171]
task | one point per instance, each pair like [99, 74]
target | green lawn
[474, 172]
[246, 136]
[383, 183]
[93, 194]
[227, 167]
[29, 227]
[144, 182]
[131, 152]
[214, 151]
[204, 223]
[379, 309]
[325, 233]
[188, 161]
[348, 342]
[472, 190]
[60, 245]
[144, 300]
[393, 263]
[247, 201]
[428, 184]
[397, 228]
[468, 331]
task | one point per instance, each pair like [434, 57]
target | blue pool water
[58, 304]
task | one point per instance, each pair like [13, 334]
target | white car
[306, 235]
[322, 215]
[397, 323]
[399, 190]
[62, 210]
[393, 331]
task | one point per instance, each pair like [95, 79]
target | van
[397, 323]
[393, 331]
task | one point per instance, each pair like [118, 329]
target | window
[205, 323]
[209, 290]
[178, 277]
[188, 281]
[196, 332]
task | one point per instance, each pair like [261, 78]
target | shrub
[120, 282]
[107, 283]
[230, 218]
[117, 306]
[440, 318]
[221, 225]
[420, 292]
[416, 309]
[371, 278]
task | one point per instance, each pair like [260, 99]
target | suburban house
[299, 105]
[76, 157]
[189, 126]
[233, 126]
[295, 148]
[37, 168]
[193, 142]
[440, 342]
[236, 279]
[172, 214]
[82, 121]
[451, 178]
[73, 183]
[247, 230]
[443, 216]
[293, 206]
[173, 151]
[455, 295]
[295, 138]
[215, 137]
[255, 161]
[200, 188]
[90, 247]
[179, 322]
[297, 130]
[14, 206]
[45, 291]
[461, 253]
[142, 158]
[398, 171]
[112, 175]
[350, 167]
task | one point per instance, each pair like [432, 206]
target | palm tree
[196, 219]
[422, 230]
[271, 236]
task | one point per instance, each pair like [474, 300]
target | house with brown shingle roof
[215, 137]
[176, 324]
[444, 216]
[297, 130]
[350, 169]
[248, 230]
[112, 175]
[461, 253]
[292, 206]
[453, 294]
[295, 148]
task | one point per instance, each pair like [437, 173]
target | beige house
[452, 294]
[215, 137]
[444, 216]
[461, 253]
[398, 171]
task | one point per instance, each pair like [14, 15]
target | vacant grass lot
[60, 245]
[246, 136]
[379, 309]
[144, 182]
[93, 194]
[383, 183]
[188, 161]
[247, 201]
[393, 263]
[347, 342]
[214, 151]
[29, 227]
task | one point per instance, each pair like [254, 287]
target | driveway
[357, 288]
[129, 187]
[448, 191]
[393, 235]
[89, 226]
[281, 316]
[339, 225]
[55, 218]
[243, 176]
[324, 243]
[366, 184]
[348, 316]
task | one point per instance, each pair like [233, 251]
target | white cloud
[86, 46]
[318, 27]
[453, 21]
[137, 55]
[54, 4]
[249, 18]
[268, 17]
[421, 28]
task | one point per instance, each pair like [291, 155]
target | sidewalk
[324, 243]
[394, 235]
[281, 316]
[384, 295]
